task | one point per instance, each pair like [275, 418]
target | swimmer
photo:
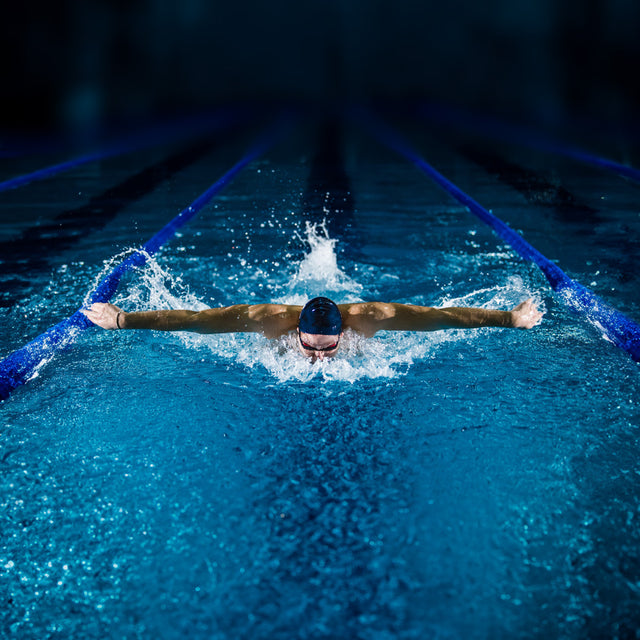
[320, 324]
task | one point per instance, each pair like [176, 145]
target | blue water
[463, 484]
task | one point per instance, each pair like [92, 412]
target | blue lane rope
[620, 329]
[149, 138]
[25, 363]
[492, 127]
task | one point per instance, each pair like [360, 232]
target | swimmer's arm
[271, 319]
[369, 317]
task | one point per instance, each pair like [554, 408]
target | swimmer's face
[317, 346]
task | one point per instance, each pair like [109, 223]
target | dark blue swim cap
[320, 316]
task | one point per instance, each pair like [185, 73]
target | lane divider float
[165, 135]
[25, 363]
[493, 128]
[617, 327]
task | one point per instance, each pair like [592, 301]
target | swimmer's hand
[526, 315]
[105, 315]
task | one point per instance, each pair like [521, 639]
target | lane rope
[493, 128]
[154, 137]
[617, 327]
[25, 363]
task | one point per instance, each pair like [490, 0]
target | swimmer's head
[319, 328]
[320, 316]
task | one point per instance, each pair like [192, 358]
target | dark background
[78, 65]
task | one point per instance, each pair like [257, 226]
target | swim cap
[320, 316]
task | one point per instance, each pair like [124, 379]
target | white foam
[382, 357]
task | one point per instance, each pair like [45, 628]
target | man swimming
[320, 324]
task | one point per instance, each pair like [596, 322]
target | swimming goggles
[308, 347]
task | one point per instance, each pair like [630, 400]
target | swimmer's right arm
[271, 319]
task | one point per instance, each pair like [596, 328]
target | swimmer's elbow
[272, 320]
[220, 320]
[240, 318]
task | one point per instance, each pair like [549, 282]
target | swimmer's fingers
[526, 315]
[103, 314]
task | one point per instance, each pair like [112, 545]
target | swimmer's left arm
[371, 317]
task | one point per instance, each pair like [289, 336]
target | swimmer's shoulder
[366, 317]
[275, 320]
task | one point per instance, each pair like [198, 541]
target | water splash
[387, 356]
[505, 296]
[158, 288]
[318, 272]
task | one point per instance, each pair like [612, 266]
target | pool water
[461, 484]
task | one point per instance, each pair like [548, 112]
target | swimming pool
[477, 484]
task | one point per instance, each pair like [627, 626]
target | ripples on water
[463, 484]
